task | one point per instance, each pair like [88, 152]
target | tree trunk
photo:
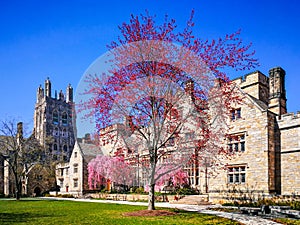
[17, 193]
[151, 197]
[18, 189]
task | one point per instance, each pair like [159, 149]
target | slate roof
[89, 151]
[260, 103]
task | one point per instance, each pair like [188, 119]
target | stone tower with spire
[54, 121]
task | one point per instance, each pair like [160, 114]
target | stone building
[264, 142]
[54, 121]
[72, 176]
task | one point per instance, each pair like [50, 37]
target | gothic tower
[277, 95]
[54, 121]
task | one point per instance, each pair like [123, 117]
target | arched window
[55, 117]
[65, 148]
[55, 131]
[55, 147]
[64, 119]
[64, 133]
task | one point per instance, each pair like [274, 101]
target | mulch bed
[150, 213]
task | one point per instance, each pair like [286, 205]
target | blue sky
[60, 39]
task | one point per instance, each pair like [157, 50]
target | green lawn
[68, 212]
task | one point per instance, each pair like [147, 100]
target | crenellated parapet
[45, 93]
[289, 120]
[255, 84]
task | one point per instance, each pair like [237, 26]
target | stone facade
[270, 160]
[72, 176]
[263, 142]
[289, 125]
[54, 121]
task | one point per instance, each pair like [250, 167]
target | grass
[287, 221]
[69, 212]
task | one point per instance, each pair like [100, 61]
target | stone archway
[37, 191]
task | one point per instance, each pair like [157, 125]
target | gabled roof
[89, 150]
[260, 103]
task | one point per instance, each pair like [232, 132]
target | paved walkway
[245, 219]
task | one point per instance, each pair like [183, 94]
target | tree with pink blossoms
[104, 168]
[170, 90]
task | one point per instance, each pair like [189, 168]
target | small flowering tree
[104, 168]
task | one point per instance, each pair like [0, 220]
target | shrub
[295, 204]
[187, 191]
[67, 196]
[139, 190]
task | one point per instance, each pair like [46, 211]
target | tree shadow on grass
[13, 218]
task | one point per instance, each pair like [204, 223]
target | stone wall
[255, 84]
[256, 158]
[289, 125]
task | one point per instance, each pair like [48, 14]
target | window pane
[232, 115]
[75, 183]
[230, 178]
[236, 178]
[55, 117]
[242, 146]
[64, 119]
[230, 147]
[238, 113]
[236, 147]
[243, 178]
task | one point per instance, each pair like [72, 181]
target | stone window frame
[75, 168]
[235, 114]
[236, 174]
[61, 182]
[75, 182]
[65, 148]
[236, 143]
[55, 131]
[55, 117]
[64, 119]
